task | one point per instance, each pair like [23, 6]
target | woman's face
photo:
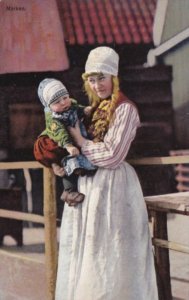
[61, 104]
[101, 85]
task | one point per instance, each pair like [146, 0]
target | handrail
[166, 160]
[156, 160]
[164, 47]
[17, 215]
[49, 219]
[20, 165]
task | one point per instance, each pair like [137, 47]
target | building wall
[177, 19]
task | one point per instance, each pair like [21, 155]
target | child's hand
[74, 151]
[59, 171]
[88, 110]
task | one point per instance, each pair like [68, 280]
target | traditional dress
[105, 250]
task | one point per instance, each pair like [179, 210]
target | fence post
[162, 256]
[49, 210]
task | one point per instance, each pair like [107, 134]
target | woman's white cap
[102, 60]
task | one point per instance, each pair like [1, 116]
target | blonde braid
[114, 97]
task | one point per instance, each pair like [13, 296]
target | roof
[107, 21]
[28, 43]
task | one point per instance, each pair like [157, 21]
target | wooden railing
[48, 219]
[155, 203]
[167, 160]
[159, 206]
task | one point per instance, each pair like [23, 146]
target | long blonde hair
[94, 100]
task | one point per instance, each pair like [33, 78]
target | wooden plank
[170, 245]
[22, 277]
[175, 202]
[182, 178]
[50, 231]
[182, 168]
[167, 160]
[162, 257]
[140, 161]
[158, 73]
[182, 188]
[20, 165]
[18, 215]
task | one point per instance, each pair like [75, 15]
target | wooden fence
[48, 219]
[159, 206]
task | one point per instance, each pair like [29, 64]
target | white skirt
[105, 250]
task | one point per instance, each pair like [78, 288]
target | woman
[105, 250]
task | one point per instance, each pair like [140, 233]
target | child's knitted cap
[50, 90]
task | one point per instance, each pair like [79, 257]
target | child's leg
[70, 182]
[70, 193]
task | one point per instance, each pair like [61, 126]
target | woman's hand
[88, 110]
[59, 171]
[74, 151]
[76, 135]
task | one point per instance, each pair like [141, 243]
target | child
[60, 112]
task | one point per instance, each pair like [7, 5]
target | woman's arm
[117, 141]
[76, 135]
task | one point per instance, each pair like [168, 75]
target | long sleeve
[56, 131]
[117, 141]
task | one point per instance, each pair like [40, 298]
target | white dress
[105, 250]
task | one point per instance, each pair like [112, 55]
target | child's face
[101, 85]
[61, 104]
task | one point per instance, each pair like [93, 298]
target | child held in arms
[62, 112]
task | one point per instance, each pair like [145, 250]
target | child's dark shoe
[72, 198]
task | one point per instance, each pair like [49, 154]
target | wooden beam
[171, 203]
[20, 165]
[170, 245]
[50, 231]
[19, 256]
[138, 161]
[18, 215]
[167, 160]
[162, 257]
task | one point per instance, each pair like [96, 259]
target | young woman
[105, 250]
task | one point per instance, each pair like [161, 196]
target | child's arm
[56, 131]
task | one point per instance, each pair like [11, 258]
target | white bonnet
[102, 60]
